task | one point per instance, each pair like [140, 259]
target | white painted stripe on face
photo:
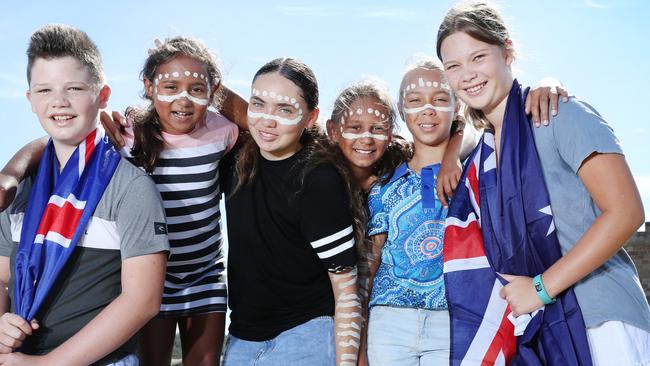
[354, 136]
[428, 106]
[184, 94]
[280, 120]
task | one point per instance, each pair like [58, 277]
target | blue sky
[594, 46]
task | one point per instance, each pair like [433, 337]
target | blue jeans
[308, 344]
[408, 337]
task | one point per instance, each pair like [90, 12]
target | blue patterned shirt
[408, 211]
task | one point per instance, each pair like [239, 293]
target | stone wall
[639, 249]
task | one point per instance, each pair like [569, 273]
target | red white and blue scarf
[512, 234]
[59, 209]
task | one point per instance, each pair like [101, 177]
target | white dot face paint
[187, 73]
[278, 98]
[175, 74]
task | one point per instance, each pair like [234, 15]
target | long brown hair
[149, 141]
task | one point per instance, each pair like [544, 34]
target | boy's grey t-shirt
[129, 221]
[613, 291]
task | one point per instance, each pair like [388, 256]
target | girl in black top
[292, 261]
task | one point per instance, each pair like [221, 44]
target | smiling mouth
[62, 117]
[363, 151]
[266, 136]
[182, 115]
[475, 89]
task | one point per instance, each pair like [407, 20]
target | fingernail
[566, 99]
[537, 124]
[545, 122]
[554, 112]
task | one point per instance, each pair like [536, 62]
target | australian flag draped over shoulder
[59, 209]
[500, 221]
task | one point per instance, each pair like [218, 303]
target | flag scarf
[500, 221]
[59, 209]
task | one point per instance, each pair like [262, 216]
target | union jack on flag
[59, 209]
[500, 221]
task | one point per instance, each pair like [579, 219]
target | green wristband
[541, 290]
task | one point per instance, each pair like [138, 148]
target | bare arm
[622, 214]
[142, 283]
[235, 108]
[373, 260]
[347, 317]
[23, 163]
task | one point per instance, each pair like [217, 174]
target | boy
[89, 223]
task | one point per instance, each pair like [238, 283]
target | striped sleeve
[326, 219]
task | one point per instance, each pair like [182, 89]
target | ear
[104, 95]
[313, 117]
[509, 51]
[332, 133]
[148, 88]
[28, 95]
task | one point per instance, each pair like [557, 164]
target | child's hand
[8, 186]
[520, 294]
[448, 176]
[538, 98]
[114, 125]
[13, 331]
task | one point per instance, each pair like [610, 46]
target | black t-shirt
[284, 237]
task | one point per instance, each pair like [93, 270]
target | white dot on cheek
[296, 105]
[359, 111]
[370, 110]
[376, 113]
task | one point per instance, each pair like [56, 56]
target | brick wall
[639, 249]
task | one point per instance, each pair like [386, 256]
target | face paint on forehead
[279, 98]
[184, 94]
[422, 83]
[360, 111]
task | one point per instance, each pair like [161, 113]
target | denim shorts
[408, 337]
[308, 344]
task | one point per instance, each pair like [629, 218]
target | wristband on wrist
[541, 290]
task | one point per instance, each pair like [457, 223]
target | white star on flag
[547, 210]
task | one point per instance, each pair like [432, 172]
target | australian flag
[500, 221]
[59, 209]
